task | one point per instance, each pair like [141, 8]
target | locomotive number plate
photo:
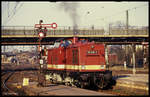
[92, 52]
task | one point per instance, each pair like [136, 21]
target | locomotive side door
[75, 58]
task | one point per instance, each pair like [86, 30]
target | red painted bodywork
[87, 53]
[82, 57]
[56, 56]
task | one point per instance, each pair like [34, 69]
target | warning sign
[25, 81]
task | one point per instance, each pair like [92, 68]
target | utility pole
[126, 47]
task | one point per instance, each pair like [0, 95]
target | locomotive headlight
[102, 66]
[82, 66]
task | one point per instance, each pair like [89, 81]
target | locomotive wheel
[82, 85]
[76, 84]
[51, 81]
[67, 84]
[102, 83]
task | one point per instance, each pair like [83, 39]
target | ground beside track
[120, 74]
[59, 90]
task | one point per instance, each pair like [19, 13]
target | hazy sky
[87, 13]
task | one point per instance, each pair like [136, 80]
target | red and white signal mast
[42, 30]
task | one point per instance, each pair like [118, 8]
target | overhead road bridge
[14, 35]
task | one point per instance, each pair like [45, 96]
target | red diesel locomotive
[77, 63]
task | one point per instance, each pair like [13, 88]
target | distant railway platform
[137, 81]
[126, 78]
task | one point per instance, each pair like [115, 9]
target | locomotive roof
[77, 44]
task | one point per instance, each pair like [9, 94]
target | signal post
[42, 29]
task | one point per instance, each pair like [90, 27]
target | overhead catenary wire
[15, 9]
[8, 9]
[119, 14]
[123, 11]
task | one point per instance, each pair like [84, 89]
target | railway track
[14, 74]
[5, 88]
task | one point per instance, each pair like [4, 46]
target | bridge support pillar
[127, 55]
[133, 58]
[145, 48]
[106, 56]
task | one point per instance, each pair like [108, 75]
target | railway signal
[53, 25]
[41, 34]
[42, 30]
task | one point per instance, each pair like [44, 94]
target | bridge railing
[17, 30]
[131, 31]
[63, 30]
